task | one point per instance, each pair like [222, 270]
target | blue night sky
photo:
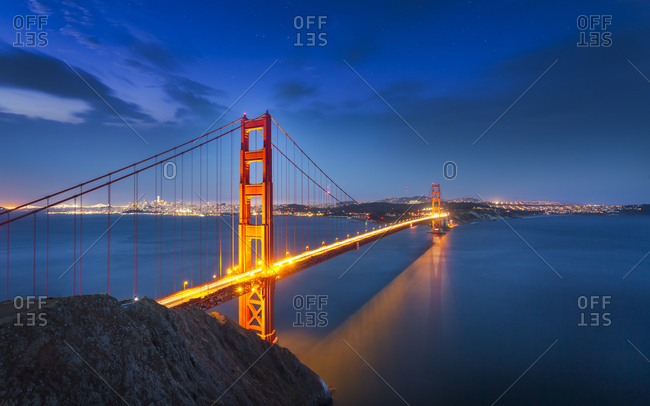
[580, 134]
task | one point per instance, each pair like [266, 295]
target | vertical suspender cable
[207, 223]
[175, 219]
[192, 220]
[137, 226]
[294, 203]
[134, 209]
[81, 233]
[34, 265]
[74, 250]
[7, 285]
[219, 219]
[182, 214]
[302, 207]
[155, 230]
[161, 213]
[108, 256]
[202, 197]
[232, 199]
[47, 249]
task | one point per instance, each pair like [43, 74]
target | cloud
[154, 53]
[193, 86]
[92, 25]
[403, 89]
[292, 90]
[192, 103]
[77, 17]
[34, 104]
[194, 97]
[77, 14]
[37, 7]
[152, 59]
[151, 54]
[89, 41]
[360, 49]
[44, 74]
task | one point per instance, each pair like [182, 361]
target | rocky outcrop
[92, 350]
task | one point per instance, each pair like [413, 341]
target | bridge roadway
[218, 291]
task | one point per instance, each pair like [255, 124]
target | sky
[556, 121]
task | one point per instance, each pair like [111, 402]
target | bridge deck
[213, 293]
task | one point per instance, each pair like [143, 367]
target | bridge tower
[436, 207]
[256, 307]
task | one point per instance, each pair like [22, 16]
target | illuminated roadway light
[197, 292]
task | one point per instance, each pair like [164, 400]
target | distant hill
[636, 209]
[411, 199]
[404, 200]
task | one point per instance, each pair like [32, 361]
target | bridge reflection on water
[387, 340]
[399, 332]
[462, 322]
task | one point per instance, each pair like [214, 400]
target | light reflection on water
[473, 312]
[452, 323]
[378, 331]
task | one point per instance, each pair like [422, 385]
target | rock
[94, 350]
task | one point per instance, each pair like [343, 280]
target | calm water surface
[475, 318]
[460, 321]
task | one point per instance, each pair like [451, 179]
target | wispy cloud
[38, 105]
[31, 71]
[293, 90]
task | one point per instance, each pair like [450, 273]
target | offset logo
[169, 170]
[593, 312]
[593, 31]
[309, 31]
[309, 310]
[449, 170]
[29, 31]
[34, 316]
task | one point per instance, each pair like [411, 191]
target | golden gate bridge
[281, 194]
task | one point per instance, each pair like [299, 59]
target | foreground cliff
[92, 350]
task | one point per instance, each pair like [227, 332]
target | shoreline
[459, 221]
